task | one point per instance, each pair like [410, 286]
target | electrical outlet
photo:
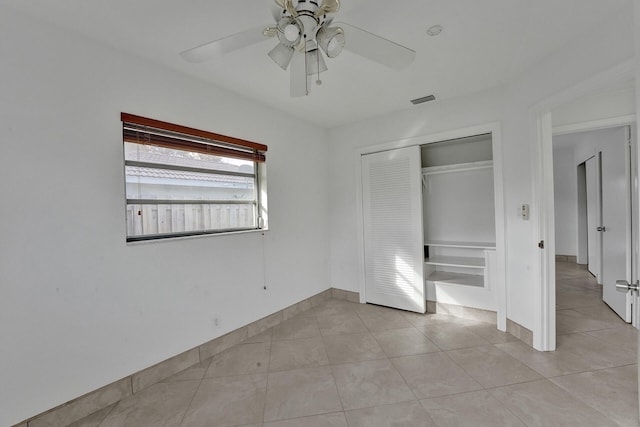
[215, 321]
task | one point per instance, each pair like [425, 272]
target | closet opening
[459, 221]
[432, 224]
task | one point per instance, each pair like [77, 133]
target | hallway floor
[352, 365]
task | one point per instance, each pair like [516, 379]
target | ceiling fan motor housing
[308, 19]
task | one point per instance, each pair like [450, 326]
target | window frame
[151, 132]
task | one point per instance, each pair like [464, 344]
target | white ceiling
[485, 43]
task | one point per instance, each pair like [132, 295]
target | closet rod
[462, 167]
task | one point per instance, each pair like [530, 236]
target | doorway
[592, 183]
[592, 109]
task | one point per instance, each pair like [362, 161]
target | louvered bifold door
[393, 239]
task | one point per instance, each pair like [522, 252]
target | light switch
[524, 212]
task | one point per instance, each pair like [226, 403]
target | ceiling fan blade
[224, 45]
[276, 12]
[328, 6]
[377, 48]
[375, 12]
[288, 6]
[298, 75]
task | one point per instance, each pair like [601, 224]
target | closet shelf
[447, 278]
[452, 261]
[467, 245]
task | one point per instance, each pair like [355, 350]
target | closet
[429, 225]
[459, 221]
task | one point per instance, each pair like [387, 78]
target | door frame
[495, 129]
[542, 131]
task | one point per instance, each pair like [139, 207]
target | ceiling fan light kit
[306, 27]
[304, 30]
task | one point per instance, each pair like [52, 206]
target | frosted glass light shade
[331, 40]
[281, 55]
[315, 62]
[291, 32]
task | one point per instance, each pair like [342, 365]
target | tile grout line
[586, 371]
[268, 374]
[335, 384]
[559, 387]
[463, 370]
[522, 362]
[404, 380]
[579, 399]
[390, 358]
[542, 377]
[108, 413]
[593, 370]
[505, 407]
[186, 411]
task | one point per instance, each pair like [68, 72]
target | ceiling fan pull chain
[306, 80]
[318, 82]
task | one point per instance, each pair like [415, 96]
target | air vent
[423, 99]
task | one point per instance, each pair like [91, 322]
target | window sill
[195, 236]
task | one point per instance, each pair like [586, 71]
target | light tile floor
[352, 365]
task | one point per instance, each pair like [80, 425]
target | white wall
[79, 308]
[615, 101]
[425, 119]
[565, 192]
[589, 54]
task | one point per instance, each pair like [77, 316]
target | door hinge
[541, 244]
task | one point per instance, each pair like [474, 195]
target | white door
[635, 225]
[593, 216]
[616, 222]
[393, 238]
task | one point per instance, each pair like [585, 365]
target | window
[182, 181]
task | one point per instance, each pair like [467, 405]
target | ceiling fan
[304, 31]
